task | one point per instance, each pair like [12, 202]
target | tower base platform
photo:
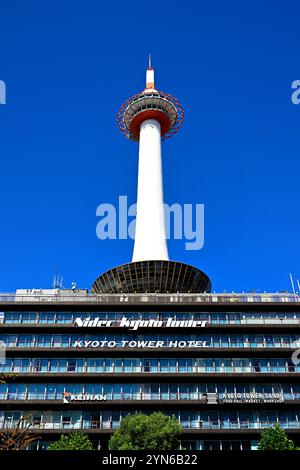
[152, 276]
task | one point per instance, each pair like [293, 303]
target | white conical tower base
[150, 233]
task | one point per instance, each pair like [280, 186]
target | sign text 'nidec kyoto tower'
[148, 118]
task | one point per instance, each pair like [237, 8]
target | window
[55, 365]
[7, 366]
[109, 365]
[11, 317]
[23, 340]
[185, 365]
[209, 365]
[131, 365]
[291, 366]
[116, 419]
[3, 391]
[66, 421]
[264, 365]
[245, 365]
[36, 420]
[20, 365]
[281, 365]
[65, 341]
[117, 392]
[95, 421]
[236, 341]
[146, 365]
[226, 445]
[288, 395]
[46, 317]
[36, 391]
[96, 365]
[37, 365]
[269, 341]
[29, 317]
[118, 366]
[71, 365]
[200, 365]
[43, 341]
[222, 318]
[235, 445]
[228, 365]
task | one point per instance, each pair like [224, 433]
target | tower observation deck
[148, 118]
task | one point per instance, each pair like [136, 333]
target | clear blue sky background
[69, 65]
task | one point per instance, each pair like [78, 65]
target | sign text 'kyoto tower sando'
[148, 118]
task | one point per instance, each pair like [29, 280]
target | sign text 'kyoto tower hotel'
[150, 335]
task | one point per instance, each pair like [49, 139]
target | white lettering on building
[253, 397]
[136, 324]
[139, 344]
[69, 397]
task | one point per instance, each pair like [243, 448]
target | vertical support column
[150, 232]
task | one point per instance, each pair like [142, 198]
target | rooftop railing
[57, 296]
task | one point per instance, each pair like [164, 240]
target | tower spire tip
[150, 75]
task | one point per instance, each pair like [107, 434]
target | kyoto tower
[148, 118]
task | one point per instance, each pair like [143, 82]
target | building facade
[222, 363]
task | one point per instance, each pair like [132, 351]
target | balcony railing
[59, 396]
[87, 369]
[195, 424]
[212, 344]
[210, 321]
[125, 396]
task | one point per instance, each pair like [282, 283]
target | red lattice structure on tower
[150, 104]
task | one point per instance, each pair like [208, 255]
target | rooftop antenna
[149, 62]
[298, 284]
[292, 282]
[57, 280]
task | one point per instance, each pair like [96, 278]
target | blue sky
[68, 67]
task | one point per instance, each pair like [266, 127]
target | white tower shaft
[150, 232]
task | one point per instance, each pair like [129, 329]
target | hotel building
[150, 336]
[226, 375]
